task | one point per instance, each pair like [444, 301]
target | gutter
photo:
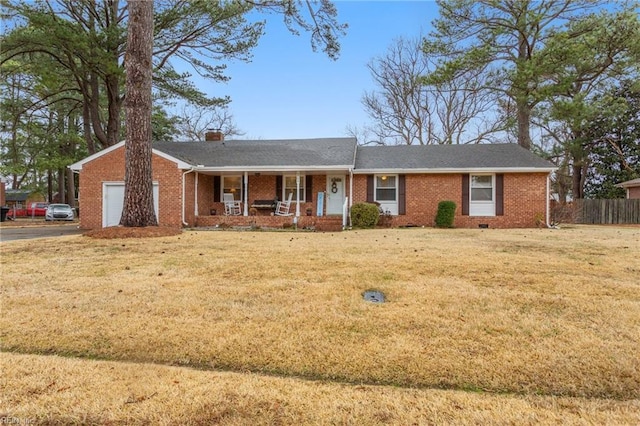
[458, 170]
[272, 169]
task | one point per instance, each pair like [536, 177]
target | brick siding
[633, 193]
[524, 200]
[110, 168]
[272, 222]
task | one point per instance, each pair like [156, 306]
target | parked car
[59, 212]
[34, 209]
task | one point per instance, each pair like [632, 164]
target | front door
[335, 193]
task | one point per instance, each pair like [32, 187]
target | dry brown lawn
[481, 326]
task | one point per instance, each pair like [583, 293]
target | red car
[34, 209]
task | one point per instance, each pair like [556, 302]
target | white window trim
[482, 208]
[303, 191]
[387, 205]
[222, 186]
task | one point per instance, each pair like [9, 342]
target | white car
[59, 212]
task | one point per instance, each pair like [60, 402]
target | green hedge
[364, 215]
[446, 214]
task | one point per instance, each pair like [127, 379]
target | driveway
[10, 233]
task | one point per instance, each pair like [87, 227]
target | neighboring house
[16, 198]
[499, 186]
[632, 188]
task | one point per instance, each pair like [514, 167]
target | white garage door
[113, 200]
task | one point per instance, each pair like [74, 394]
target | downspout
[350, 193]
[548, 213]
[184, 187]
[195, 198]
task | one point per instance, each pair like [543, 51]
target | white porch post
[245, 194]
[297, 194]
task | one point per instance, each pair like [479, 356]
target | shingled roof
[327, 153]
[341, 154]
[425, 158]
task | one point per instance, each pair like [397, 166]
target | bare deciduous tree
[407, 109]
[194, 123]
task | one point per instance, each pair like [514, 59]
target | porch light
[383, 178]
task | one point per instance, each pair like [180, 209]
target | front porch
[323, 223]
[318, 200]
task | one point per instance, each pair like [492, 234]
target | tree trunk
[86, 125]
[61, 187]
[524, 124]
[49, 186]
[577, 181]
[71, 188]
[138, 190]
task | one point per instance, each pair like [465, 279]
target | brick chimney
[213, 135]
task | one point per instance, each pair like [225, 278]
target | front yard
[480, 326]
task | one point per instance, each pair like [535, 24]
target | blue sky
[288, 91]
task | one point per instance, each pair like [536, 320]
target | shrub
[364, 215]
[446, 214]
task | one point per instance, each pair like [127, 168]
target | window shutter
[278, 187]
[500, 194]
[216, 189]
[402, 198]
[308, 188]
[369, 188]
[465, 194]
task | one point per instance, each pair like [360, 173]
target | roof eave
[271, 168]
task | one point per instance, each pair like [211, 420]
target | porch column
[297, 194]
[245, 194]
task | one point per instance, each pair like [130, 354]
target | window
[481, 188]
[232, 185]
[290, 188]
[386, 193]
[385, 188]
[482, 195]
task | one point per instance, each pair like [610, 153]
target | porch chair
[282, 209]
[232, 207]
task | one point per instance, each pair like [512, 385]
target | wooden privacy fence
[608, 211]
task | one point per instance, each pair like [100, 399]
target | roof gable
[629, 184]
[78, 165]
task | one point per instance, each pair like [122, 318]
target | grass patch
[552, 313]
[53, 390]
